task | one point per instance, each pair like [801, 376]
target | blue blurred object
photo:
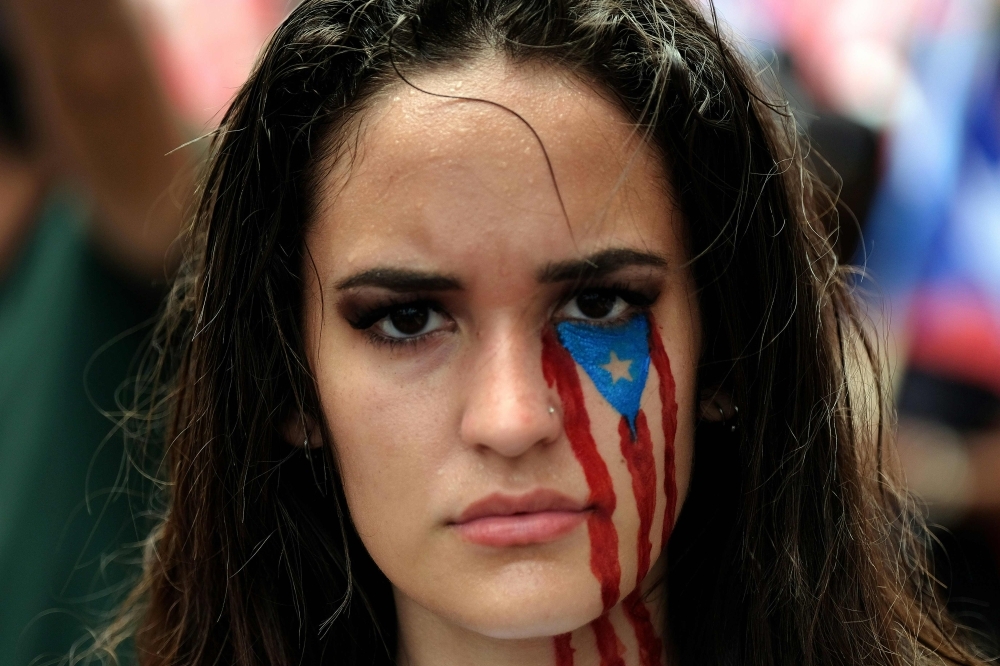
[933, 239]
[925, 156]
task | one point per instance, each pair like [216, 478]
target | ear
[716, 405]
[301, 430]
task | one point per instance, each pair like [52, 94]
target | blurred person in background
[91, 198]
[931, 261]
[923, 77]
[934, 251]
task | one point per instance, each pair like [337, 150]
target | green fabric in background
[63, 547]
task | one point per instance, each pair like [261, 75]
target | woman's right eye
[410, 321]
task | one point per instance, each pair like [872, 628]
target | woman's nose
[510, 408]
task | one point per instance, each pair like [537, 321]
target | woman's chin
[520, 625]
[532, 608]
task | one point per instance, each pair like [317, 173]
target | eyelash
[635, 298]
[393, 344]
[365, 319]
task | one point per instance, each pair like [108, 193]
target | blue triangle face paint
[616, 358]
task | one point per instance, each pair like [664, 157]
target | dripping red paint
[564, 650]
[650, 645]
[560, 369]
[608, 645]
[668, 403]
[638, 454]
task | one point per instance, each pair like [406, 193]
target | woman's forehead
[502, 117]
[456, 178]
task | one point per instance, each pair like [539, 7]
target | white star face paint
[618, 368]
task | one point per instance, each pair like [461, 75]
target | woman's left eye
[410, 321]
[595, 305]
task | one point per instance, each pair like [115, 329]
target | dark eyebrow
[598, 264]
[399, 280]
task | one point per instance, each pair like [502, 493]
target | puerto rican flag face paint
[616, 358]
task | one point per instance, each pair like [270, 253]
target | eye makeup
[606, 302]
[361, 316]
[397, 319]
[396, 307]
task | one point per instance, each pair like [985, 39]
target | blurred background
[901, 102]
[101, 106]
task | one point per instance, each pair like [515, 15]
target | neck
[627, 635]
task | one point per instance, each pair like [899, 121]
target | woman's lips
[505, 520]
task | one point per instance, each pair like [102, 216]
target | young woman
[510, 333]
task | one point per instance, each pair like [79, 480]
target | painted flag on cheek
[616, 358]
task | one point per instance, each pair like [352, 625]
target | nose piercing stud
[552, 410]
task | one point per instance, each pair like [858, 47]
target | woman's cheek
[381, 437]
[603, 375]
[585, 363]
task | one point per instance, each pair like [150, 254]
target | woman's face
[508, 376]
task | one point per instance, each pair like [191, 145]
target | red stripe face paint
[564, 650]
[608, 645]
[638, 454]
[650, 645]
[559, 369]
[668, 402]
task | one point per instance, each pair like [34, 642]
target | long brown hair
[794, 546]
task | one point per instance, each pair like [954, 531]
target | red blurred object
[956, 334]
[204, 50]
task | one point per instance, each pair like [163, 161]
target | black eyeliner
[363, 317]
[636, 297]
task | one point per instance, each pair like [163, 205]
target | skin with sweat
[444, 260]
